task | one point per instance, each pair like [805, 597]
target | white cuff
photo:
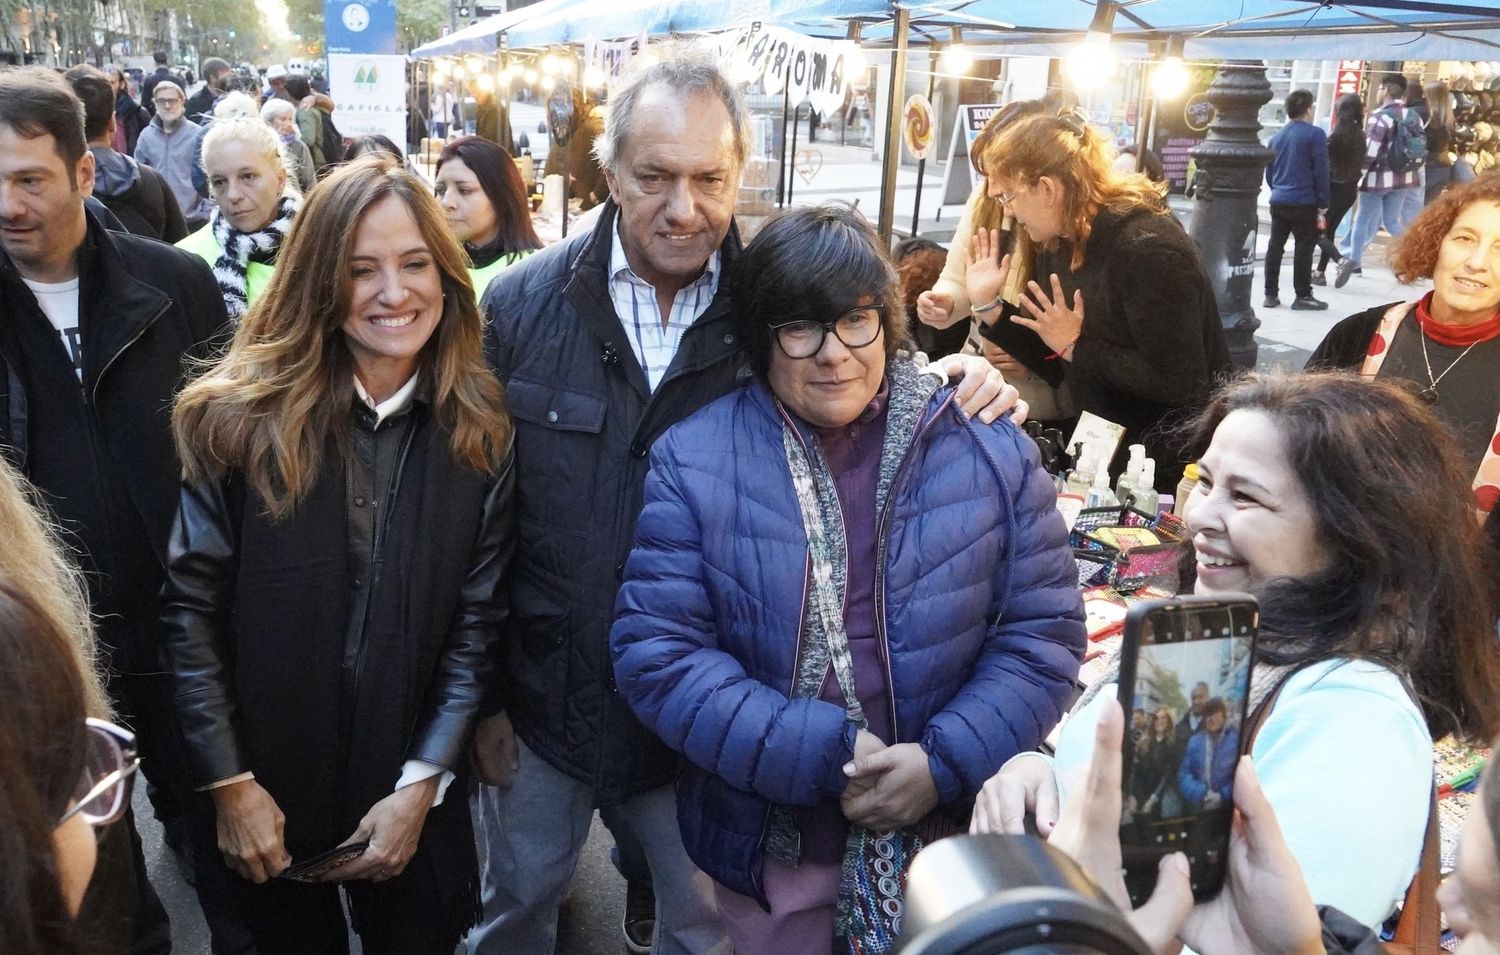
[416, 770]
[1031, 753]
[226, 781]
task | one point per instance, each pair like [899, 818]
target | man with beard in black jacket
[97, 332]
[135, 193]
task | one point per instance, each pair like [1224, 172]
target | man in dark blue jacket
[1298, 177]
[604, 341]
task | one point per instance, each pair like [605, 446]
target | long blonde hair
[37, 564]
[269, 406]
[1081, 161]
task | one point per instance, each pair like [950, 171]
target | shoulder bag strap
[1417, 931]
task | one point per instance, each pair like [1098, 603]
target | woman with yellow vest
[254, 205]
[481, 191]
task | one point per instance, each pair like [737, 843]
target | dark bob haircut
[814, 263]
[1406, 585]
[502, 185]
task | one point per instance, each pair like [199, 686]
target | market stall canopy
[1283, 29]
[480, 37]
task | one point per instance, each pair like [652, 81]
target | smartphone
[1184, 681]
[313, 870]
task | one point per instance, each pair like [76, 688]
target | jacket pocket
[558, 409]
[539, 612]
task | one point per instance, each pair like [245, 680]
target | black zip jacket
[101, 450]
[585, 422]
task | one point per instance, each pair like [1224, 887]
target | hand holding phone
[1184, 681]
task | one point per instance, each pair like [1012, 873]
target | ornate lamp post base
[1231, 166]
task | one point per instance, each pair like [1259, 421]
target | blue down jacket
[983, 620]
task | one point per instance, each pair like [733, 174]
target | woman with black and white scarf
[255, 202]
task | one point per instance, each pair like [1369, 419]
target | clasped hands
[890, 787]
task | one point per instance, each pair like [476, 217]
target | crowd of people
[1385, 170]
[403, 546]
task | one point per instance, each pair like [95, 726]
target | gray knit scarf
[910, 394]
[237, 249]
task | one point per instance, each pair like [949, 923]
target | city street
[590, 920]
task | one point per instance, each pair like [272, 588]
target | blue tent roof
[480, 37]
[1399, 29]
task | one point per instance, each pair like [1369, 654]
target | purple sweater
[853, 455]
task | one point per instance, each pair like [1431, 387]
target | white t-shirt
[59, 302]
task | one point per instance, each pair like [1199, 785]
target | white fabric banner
[369, 95]
[611, 57]
[820, 70]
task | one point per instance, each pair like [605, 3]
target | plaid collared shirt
[635, 302]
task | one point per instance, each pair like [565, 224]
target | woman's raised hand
[986, 274]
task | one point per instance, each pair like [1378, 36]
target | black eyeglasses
[110, 763]
[856, 328]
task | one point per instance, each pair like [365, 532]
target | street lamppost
[1226, 190]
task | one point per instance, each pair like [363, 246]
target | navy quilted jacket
[984, 624]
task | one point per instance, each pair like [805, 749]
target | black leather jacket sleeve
[195, 608]
[463, 674]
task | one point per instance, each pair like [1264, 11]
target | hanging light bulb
[549, 83]
[958, 58]
[1092, 62]
[530, 76]
[484, 82]
[594, 78]
[1170, 80]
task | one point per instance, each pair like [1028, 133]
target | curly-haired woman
[1447, 343]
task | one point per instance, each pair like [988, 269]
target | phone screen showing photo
[1184, 715]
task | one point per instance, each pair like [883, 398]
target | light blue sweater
[1346, 761]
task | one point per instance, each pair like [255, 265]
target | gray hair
[275, 107]
[236, 104]
[685, 69]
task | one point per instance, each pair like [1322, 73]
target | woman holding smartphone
[1374, 623]
[343, 524]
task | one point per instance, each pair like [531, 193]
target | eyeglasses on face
[110, 762]
[1008, 198]
[856, 328]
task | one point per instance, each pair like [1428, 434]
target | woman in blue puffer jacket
[847, 604]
